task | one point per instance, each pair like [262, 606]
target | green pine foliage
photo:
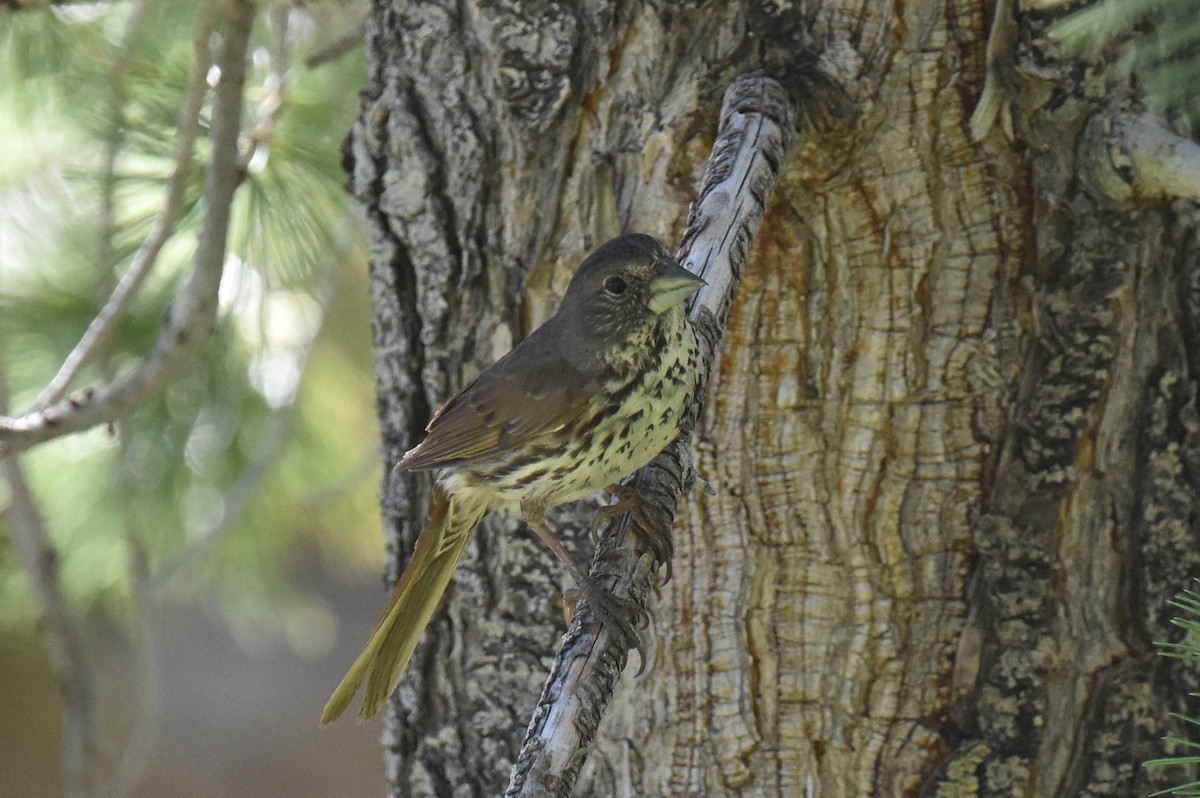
[1188, 750]
[1153, 44]
[261, 458]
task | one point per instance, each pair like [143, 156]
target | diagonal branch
[192, 316]
[60, 627]
[61, 633]
[335, 49]
[100, 329]
[756, 127]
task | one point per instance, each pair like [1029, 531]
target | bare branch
[756, 127]
[61, 633]
[1156, 162]
[192, 316]
[100, 330]
[60, 628]
[335, 49]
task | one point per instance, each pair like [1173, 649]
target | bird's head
[623, 290]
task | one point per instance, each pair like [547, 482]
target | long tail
[417, 594]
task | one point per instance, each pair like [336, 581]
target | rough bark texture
[953, 436]
[1089, 522]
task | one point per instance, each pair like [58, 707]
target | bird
[589, 397]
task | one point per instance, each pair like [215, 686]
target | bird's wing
[531, 391]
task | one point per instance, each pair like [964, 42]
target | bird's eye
[614, 285]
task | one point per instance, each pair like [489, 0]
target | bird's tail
[417, 594]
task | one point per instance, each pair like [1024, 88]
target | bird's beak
[671, 287]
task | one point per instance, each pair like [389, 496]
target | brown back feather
[533, 390]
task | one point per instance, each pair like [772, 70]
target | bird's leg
[557, 548]
[612, 611]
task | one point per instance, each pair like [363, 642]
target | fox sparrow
[589, 397]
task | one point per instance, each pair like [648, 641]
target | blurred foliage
[1154, 43]
[263, 456]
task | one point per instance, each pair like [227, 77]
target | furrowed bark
[952, 434]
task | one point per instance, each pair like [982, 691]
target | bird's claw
[613, 613]
[654, 532]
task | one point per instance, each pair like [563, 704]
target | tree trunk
[952, 437]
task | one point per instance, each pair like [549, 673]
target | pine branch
[192, 316]
[61, 632]
[101, 328]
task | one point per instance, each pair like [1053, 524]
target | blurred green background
[222, 545]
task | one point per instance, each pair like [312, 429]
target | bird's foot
[653, 531]
[620, 616]
[611, 611]
[627, 502]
